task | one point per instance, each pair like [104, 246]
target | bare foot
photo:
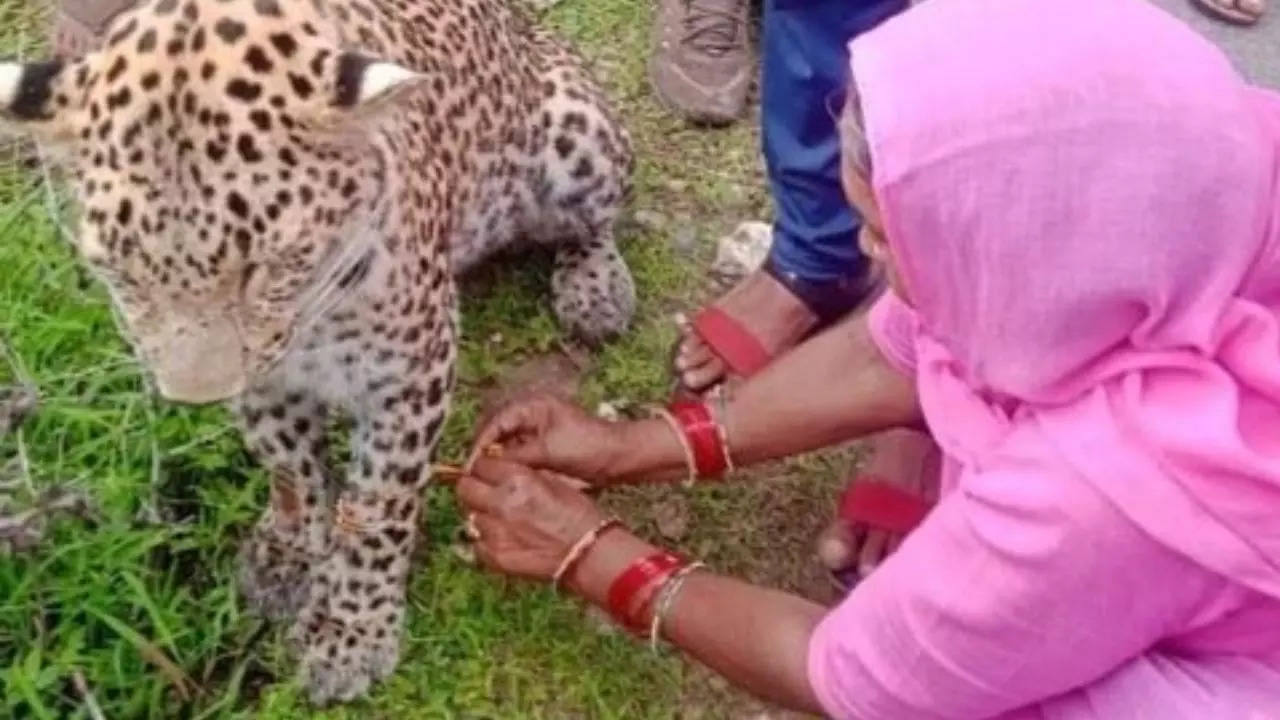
[766, 309]
[905, 458]
[1240, 12]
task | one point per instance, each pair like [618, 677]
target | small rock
[672, 518]
[608, 411]
[676, 186]
[24, 530]
[16, 405]
[650, 220]
[464, 551]
[495, 339]
[599, 620]
[684, 239]
[743, 251]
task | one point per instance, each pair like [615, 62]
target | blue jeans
[805, 65]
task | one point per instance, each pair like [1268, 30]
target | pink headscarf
[1084, 209]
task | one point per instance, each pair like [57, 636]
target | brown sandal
[1239, 12]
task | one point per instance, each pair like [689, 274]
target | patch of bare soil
[558, 373]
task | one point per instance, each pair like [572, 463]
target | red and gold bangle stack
[704, 439]
[633, 591]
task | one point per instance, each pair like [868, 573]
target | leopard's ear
[34, 99]
[364, 84]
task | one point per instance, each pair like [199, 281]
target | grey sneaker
[701, 63]
[79, 25]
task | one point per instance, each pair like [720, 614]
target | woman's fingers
[495, 471]
[693, 353]
[519, 431]
[486, 555]
[874, 548]
[507, 425]
[568, 481]
[704, 375]
[477, 495]
[488, 529]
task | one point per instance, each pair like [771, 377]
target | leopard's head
[226, 165]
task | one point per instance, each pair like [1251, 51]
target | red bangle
[710, 456]
[642, 574]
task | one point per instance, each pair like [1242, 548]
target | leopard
[279, 197]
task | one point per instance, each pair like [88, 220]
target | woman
[1077, 205]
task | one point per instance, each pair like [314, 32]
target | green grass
[144, 593]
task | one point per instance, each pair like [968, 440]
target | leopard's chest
[389, 328]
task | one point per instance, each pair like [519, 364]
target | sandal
[1239, 12]
[742, 352]
[874, 503]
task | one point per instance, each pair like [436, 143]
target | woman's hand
[550, 433]
[526, 520]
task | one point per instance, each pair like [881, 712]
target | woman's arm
[835, 387]
[769, 661]
[524, 523]
[1025, 586]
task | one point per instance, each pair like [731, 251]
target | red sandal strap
[731, 342]
[878, 504]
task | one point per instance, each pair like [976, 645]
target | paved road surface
[1255, 50]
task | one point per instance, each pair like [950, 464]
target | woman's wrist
[644, 447]
[611, 554]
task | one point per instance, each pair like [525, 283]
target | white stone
[743, 251]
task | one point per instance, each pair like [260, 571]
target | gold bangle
[666, 599]
[580, 549]
[689, 460]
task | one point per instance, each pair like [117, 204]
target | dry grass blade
[23, 531]
[177, 677]
[182, 683]
[90, 702]
[16, 405]
[447, 474]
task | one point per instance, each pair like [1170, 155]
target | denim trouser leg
[805, 65]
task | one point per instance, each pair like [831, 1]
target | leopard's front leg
[349, 631]
[285, 430]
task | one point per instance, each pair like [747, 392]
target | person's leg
[815, 273]
[907, 460]
[700, 64]
[805, 74]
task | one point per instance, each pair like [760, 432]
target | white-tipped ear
[365, 82]
[382, 78]
[31, 96]
[10, 83]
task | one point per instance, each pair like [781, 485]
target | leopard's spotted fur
[275, 191]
